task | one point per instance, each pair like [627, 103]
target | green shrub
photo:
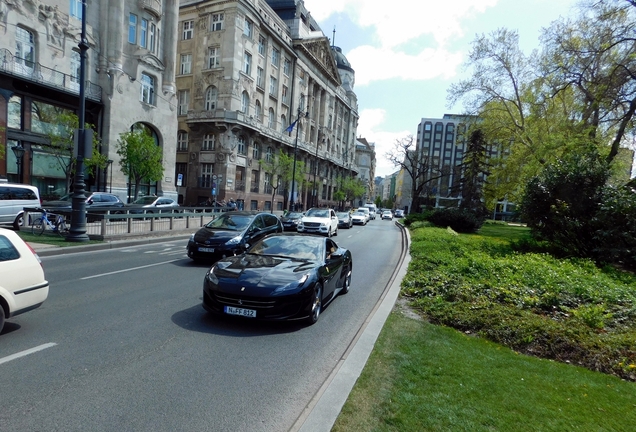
[463, 221]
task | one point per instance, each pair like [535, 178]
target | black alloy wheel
[316, 305]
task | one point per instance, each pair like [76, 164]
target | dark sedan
[97, 203]
[290, 221]
[281, 277]
[344, 220]
[231, 234]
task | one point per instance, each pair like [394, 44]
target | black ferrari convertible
[284, 276]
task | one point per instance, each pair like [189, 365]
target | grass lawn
[484, 304]
[422, 377]
[52, 239]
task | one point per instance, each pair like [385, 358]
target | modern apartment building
[130, 83]
[255, 77]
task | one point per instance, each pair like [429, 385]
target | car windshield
[318, 213]
[293, 215]
[342, 215]
[360, 212]
[230, 222]
[145, 200]
[298, 247]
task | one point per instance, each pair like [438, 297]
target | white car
[22, 283]
[319, 221]
[387, 215]
[360, 217]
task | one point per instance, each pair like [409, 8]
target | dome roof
[341, 60]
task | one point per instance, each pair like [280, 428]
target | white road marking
[127, 270]
[26, 352]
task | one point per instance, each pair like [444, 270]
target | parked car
[281, 277]
[96, 202]
[387, 215]
[319, 221]
[291, 220]
[231, 234]
[344, 220]
[152, 204]
[13, 199]
[22, 283]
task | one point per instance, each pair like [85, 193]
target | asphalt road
[122, 343]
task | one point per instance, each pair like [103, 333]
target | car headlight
[293, 285]
[192, 237]
[212, 277]
[232, 242]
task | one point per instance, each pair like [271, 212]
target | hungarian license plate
[240, 311]
[204, 249]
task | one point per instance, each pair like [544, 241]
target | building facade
[129, 84]
[365, 160]
[255, 77]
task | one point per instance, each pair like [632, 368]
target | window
[152, 38]
[210, 98]
[206, 175]
[184, 100]
[76, 9]
[208, 142]
[259, 76]
[286, 66]
[186, 64]
[75, 68]
[247, 28]
[25, 48]
[271, 120]
[217, 22]
[262, 43]
[143, 33]
[247, 63]
[147, 89]
[283, 123]
[258, 110]
[182, 141]
[213, 57]
[241, 145]
[132, 29]
[273, 86]
[188, 29]
[245, 103]
[301, 104]
[181, 168]
[285, 95]
[275, 57]
[256, 151]
[269, 154]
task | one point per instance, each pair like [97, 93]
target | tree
[349, 188]
[475, 169]
[61, 133]
[281, 168]
[420, 168]
[140, 157]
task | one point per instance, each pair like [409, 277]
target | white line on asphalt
[127, 270]
[26, 352]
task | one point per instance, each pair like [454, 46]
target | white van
[13, 199]
[373, 210]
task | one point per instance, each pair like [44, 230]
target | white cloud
[369, 127]
[375, 64]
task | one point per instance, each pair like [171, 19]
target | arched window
[271, 119]
[147, 89]
[245, 103]
[210, 98]
[256, 151]
[24, 49]
[258, 110]
[283, 123]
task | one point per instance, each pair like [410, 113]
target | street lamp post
[315, 194]
[77, 232]
[292, 200]
[18, 151]
[110, 170]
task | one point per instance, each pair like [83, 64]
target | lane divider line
[26, 352]
[127, 270]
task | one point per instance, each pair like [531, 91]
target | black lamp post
[110, 169]
[292, 201]
[77, 232]
[18, 151]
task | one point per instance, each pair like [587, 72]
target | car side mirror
[90, 201]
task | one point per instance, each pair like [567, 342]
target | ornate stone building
[255, 77]
[130, 82]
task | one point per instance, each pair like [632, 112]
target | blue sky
[406, 53]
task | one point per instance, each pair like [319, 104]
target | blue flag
[291, 126]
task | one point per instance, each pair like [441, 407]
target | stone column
[170, 35]
[117, 28]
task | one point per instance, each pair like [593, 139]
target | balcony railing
[35, 72]
[240, 185]
[254, 189]
[152, 6]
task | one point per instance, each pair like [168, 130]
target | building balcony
[152, 6]
[36, 73]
